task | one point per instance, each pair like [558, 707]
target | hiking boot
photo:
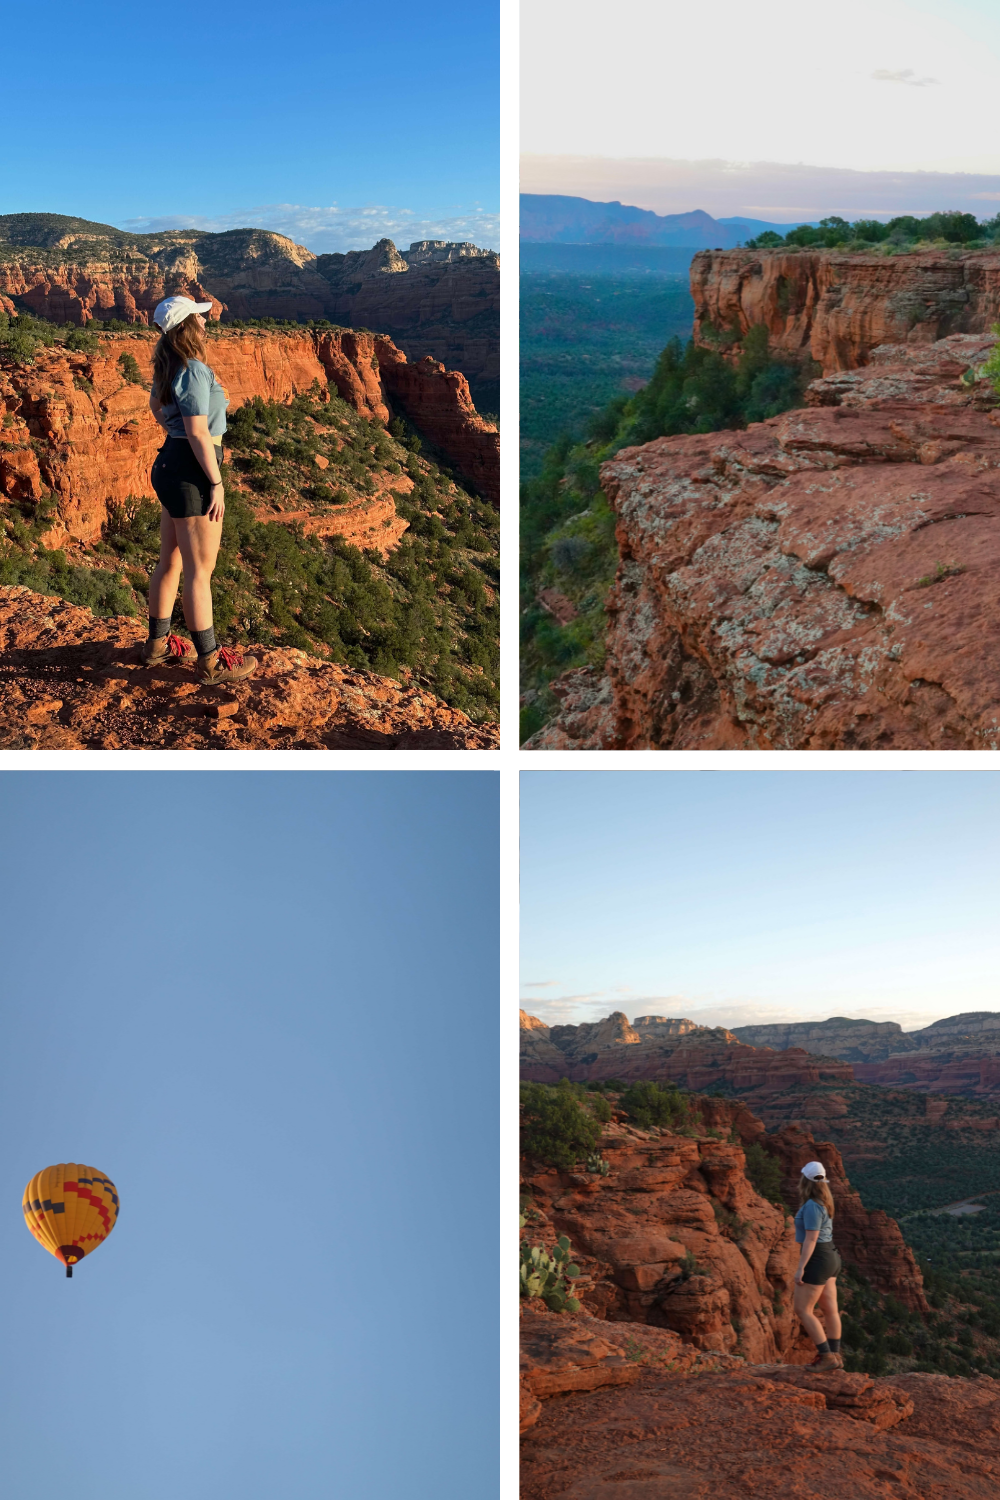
[168, 648]
[828, 1361]
[226, 664]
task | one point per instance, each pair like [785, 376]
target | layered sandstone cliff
[70, 681]
[699, 1058]
[823, 580]
[854, 1041]
[75, 428]
[837, 306]
[437, 299]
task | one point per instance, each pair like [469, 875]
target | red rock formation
[73, 426]
[676, 1237]
[698, 1059]
[838, 306]
[824, 580]
[438, 402]
[70, 681]
[767, 1432]
[436, 298]
[967, 1070]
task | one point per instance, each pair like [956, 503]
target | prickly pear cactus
[546, 1275]
[596, 1163]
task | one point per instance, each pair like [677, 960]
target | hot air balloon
[70, 1210]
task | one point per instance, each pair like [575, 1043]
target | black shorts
[824, 1262]
[181, 484]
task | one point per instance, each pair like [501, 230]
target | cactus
[596, 1163]
[545, 1275]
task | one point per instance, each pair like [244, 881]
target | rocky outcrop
[438, 402]
[699, 1058]
[437, 298]
[823, 580]
[675, 1237]
[70, 681]
[837, 307]
[74, 427]
[769, 1431]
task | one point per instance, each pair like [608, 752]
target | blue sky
[265, 1005]
[732, 897]
[299, 117]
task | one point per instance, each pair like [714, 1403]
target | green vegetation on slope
[567, 526]
[900, 235]
[585, 340]
[429, 610]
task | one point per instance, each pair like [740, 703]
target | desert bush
[648, 1104]
[764, 1172]
[555, 1126]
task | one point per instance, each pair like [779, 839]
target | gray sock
[204, 641]
[158, 628]
[824, 1347]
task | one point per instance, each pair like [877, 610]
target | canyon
[438, 298]
[825, 579]
[837, 307]
[74, 427]
[71, 681]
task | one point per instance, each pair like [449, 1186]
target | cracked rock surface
[824, 580]
[71, 681]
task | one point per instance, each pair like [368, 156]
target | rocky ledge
[826, 580]
[766, 1430]
[71, 681]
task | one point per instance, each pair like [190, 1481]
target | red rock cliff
[837, 307]
[73, 426]
[823, 580]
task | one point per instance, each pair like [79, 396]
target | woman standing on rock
[819, 1264]
[190, 404]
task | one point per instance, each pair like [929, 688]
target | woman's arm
[156, 407]
[203, 447]
[808, 1246]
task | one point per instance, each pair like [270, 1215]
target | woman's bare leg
[198, 540]
[827, 1305]
[805, 1299]
[166, 575]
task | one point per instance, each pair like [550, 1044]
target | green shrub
[764, 1172]
[648, 1104]
[555, 1127]
[129, 367]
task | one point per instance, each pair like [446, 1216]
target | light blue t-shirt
[813, 1215]
[197, 393]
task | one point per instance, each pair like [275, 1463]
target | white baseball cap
[173, 310]
[815, 1171]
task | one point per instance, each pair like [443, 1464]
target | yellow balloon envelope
[70, 1210]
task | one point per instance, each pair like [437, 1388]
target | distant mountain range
[550, 218]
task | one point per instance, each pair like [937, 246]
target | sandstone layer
[70, 681]
[837, 307]
[74, 427]
[766, 1431]
[827, 579]
[438, 298]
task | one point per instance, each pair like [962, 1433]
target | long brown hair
[817, 1189]
[172, 352]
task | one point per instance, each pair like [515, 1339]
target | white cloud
[904, 75]
[324, 230]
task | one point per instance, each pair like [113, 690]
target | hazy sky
[874, 85]
[734, 897]
[265, 1005]
[332, 122]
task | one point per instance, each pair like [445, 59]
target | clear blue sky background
[265, 1005]
[115, 111]
[733, 897]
